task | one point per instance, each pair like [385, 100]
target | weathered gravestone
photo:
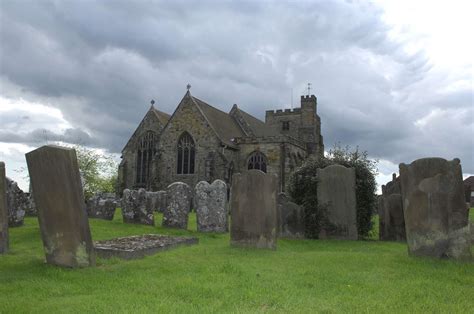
[178, 204]
[3, 211]
[161, 201]
[54, 175]
[436, 217]
[336, 193]
[290, 218]
[30, 204]
[254, 210]
[17, 203]
[391, 219]
[102, 206]
[210, 202]
[134, 208]
[156, 201]
[151, 201]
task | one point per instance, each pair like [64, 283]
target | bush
[302, 187]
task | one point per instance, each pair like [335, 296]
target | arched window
[186, 153]
[257, 160]
[146, 150]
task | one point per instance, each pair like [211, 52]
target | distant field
[300, 276]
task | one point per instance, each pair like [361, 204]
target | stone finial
[394, 176]
[152, 102]
[188, 87]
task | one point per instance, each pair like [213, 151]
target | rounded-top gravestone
[179, 196]
[210, 202]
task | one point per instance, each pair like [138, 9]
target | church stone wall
[210, 162]
[280, 156]
[127, 168]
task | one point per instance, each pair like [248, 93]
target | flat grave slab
[138, 246]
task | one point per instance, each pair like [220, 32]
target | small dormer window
[285, 125]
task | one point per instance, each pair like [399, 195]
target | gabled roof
[221, 122]
[257, 127]
[469, 181]
[162, 117]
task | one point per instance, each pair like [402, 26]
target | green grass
[301, 276]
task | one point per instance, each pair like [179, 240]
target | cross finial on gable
[188, 87]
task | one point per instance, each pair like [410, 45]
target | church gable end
[188, 122]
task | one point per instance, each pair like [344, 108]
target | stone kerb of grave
[135, 209]
[290, 218]
[391, 219]
[178, 204]
[54, 175]
[210, 202]
[4, 241]
[436, 217]
[102, 206]
[336, 193]
[254, 210]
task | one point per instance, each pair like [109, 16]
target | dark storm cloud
[100, 63]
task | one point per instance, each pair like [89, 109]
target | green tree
[302, 187]
[98, 171]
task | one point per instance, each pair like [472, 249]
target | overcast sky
[393, 77]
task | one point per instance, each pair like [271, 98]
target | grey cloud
[101, 62]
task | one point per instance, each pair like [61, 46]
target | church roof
[257, 127]
[221, 122]
[162, 117]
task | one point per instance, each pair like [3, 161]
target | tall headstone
[102, 206]
[210, 202]
[436, 217]
[17, 203]
[254, 210]
[391, 219]
[290, 218]
[54, 175]
[336, 193]
[134, 208]
[178, 204]
[4, 246]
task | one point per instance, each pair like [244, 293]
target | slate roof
[469, 181]
[258, 127]
[162, 117]
[221, 122]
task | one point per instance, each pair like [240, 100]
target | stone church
[200, 142]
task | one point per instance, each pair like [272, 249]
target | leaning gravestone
[336, 193]
[290, 218]
[391, 219]
[211, 206]
[102, 206]
[134, 208]
[179, 196]
[54, 174]
[254, 210]
[436, 217]
[17, 203]
[3, 211]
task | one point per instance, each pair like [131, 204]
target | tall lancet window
[146, 150]
[186, 154]
[257, 160]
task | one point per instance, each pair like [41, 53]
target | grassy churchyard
[301, 276]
